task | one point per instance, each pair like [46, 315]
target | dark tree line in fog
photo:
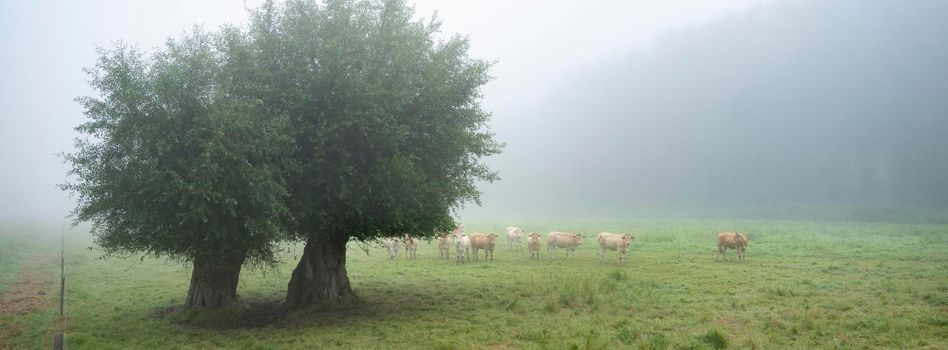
[836, 104]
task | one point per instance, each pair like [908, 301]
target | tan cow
[614, 241]
[563, 240]
[734, 241]
[392, 245]
[533, 245]
[444, 245]
[411, 245]
[485, 241]
[461, 243]
[514, 237]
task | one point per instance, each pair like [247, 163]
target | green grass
[804, 285]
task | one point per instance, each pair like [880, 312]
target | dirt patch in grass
[30, 291]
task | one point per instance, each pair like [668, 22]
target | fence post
[62, 275]
[59, 342]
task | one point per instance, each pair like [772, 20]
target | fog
[689, 108]
[789, 110]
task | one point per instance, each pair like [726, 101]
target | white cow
[411, 245]
[444, 245]
[392, 245]
[614, 241]
[514, 237]
[563, 240]
[461, 242]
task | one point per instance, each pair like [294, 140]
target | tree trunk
[213, 282]
[320, 275]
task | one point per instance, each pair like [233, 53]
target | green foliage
[386, 118]
[176, 160]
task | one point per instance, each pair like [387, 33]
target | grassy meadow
[804, 285]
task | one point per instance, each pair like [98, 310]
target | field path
[29, 293]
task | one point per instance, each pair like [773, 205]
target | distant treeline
[829, 212]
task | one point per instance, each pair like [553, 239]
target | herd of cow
[464, 243]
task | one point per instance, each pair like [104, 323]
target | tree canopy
[387, 124]
[386, 117]
[176, 161]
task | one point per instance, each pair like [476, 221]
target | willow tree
[387, 123]
[178, 161]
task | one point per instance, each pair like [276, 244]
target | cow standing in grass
[514, 237]
[567, 240]
[485, 241]
[392, 245]
[411, 245]
[533, 245]
[444, 246]
[461, 242]
[732, 240]
[614, 241]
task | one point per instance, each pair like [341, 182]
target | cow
[461, 243]
[563, 240]
[533, 245]
[734, 241]
[485, 241]
[411, 245]
[392, 245]
[444, 245]
[614, 241]
[514, 237]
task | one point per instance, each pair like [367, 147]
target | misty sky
[605, 105]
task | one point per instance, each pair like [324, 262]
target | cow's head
[579, 238]
[534, 236]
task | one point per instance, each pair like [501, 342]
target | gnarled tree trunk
[213, 282]
[320, 274]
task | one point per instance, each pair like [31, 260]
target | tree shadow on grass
[376, 305]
